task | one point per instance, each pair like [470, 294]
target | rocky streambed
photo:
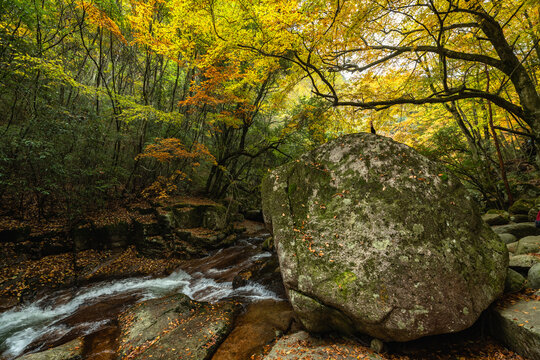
[131, 317]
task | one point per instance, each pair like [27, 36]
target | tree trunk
[517, 73]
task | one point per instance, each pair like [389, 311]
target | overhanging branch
[466, 94]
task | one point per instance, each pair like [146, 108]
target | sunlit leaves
[100, 18]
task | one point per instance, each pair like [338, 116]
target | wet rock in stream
[102, 345]
[262, 322]
[174, 327]
[69, 351]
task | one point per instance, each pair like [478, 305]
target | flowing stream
[67, 314]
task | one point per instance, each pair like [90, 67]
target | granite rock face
[374, 238]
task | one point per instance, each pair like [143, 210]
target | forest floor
[114, 212]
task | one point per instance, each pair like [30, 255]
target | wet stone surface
[174, 327]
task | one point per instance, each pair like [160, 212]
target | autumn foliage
[247, 85]
[172, 151]
[100, 18]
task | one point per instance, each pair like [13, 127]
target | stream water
[68, 314]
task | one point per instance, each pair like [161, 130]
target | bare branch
[515, 132]
[484, 59]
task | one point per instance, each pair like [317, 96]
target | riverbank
[134, 239]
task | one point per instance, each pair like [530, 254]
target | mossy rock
[508, 238]
[496, 219]
[361, 252]
[512, 247]
[186, 217]
[214, 217]
[268, 244]
[115, 235]
[533, 213]
[514, 282]
[533, 276]
[523, 261]
[519, 218]
[527, 245]
[497, 211]
[522, 206]
[518, 230]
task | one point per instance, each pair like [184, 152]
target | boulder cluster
[516, 323]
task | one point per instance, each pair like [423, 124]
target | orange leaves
[169, 149]
[222, 86]
[99, 18]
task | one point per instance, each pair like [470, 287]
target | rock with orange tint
[261, 323]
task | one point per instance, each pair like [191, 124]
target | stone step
[518, 230]
[516, 323]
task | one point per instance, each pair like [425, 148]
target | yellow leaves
[18, 30]
[100, 19]
[148, 31]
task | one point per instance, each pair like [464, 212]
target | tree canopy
[108, 98]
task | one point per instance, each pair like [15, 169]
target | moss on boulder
[374, 238]
[522, 206]
[496, 218]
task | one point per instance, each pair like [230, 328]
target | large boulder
[374, 238]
